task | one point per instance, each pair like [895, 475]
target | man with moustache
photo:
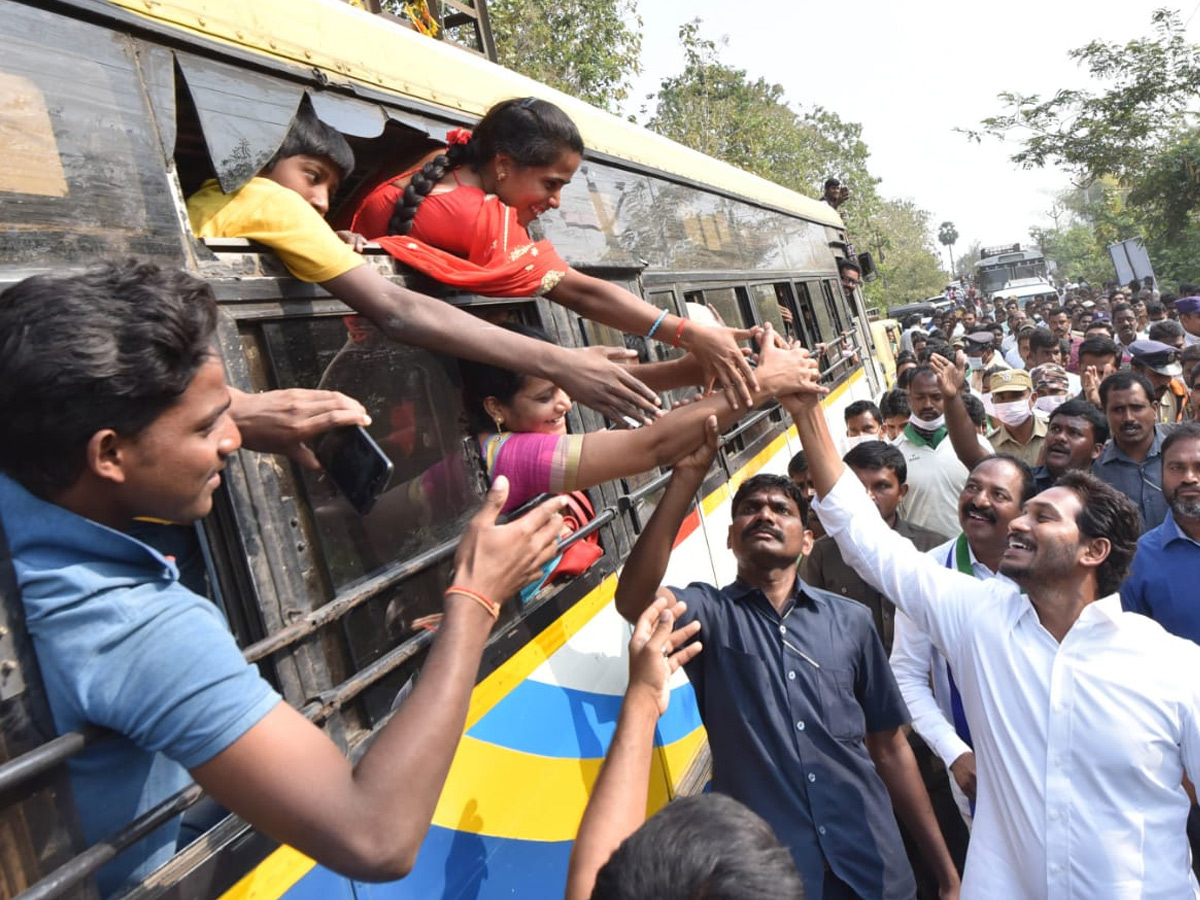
[995, 491]
[882, 470]
[935, 475]
[1075, 438]
[803, 715]
[1082, 723]
[1131, 461]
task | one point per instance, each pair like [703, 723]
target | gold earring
[499, 425]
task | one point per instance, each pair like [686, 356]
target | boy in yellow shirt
[284, 206]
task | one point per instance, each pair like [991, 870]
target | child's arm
[617, 806]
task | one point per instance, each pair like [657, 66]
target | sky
[911, 73]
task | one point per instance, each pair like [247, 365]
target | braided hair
[532, 132]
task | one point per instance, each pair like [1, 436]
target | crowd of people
[980, 716]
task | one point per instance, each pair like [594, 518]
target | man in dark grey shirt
[803, 715]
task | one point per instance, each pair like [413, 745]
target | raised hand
[655, 650]
[782, 371]
[498, 560]
[952, 377]
[285, 421]
[699, 460]
[595, 378]
[721, 360]
[1091, 386]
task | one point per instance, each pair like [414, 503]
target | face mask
[1050, 404]
[852, 442]
[1013, 413]
[921, 424]
[975, 362]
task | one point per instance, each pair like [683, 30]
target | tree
[913, 269]
[720, 111]
[587, 48]
[948, 237]
[1136, 133]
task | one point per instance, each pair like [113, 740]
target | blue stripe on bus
[547, 720]
[458, 865]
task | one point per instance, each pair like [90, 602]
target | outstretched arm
[896, 765]
[590, 375]
[617, 806]
[647, 563]
[941, 601]
[285, 421]
[952, 380]
[368, 821]
[612, 454]
[716, 349]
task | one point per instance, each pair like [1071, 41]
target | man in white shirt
[935, 475]
[995, 491]
[1084, 718]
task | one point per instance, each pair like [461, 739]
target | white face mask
[1013, 413]
[975, 362]
[1050, 404]
[852, 442]
[932, 425]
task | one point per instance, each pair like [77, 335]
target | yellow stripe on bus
[504, 793]
[272, 877]
[508, 772]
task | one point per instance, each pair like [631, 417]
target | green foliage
[1135, 136]
[720, 111]
[910, 265]
[586, 48]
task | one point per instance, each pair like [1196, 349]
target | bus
[999, 266]
[111, 113]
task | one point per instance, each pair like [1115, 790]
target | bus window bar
[338, 607]
[63, 879]
[748, 423]
[626, 502]
[46, 756]
[330, 701]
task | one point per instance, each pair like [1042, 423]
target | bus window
[83, 176]
[727, 305]
[834, 305]
[415, 403]
[770, 306]
[808, 316]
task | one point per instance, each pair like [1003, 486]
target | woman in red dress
[461, 219]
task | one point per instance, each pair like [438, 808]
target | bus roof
[352, 45]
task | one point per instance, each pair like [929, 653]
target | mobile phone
[356, 464]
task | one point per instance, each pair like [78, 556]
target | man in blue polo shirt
[803, 715]
[116, 410]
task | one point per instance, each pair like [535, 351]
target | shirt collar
[33, 525]
[1040, 429]
[1172, 531]
[1112, 451]
[739, 590]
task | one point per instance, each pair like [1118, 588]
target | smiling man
[994, 493]
[1081, 720]
[116, 409]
